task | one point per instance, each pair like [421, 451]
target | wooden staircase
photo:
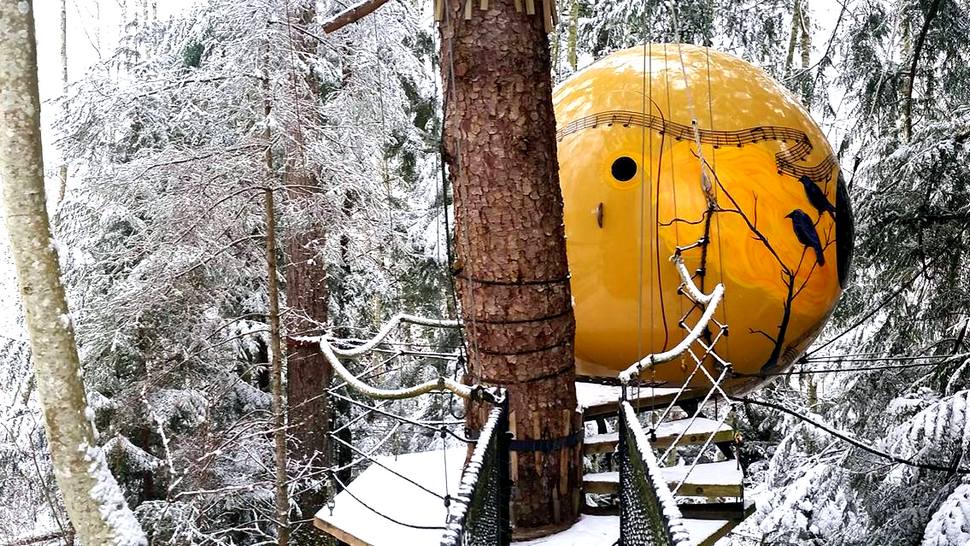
[711, 497]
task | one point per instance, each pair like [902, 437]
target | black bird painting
[816, 197]
[805, 231]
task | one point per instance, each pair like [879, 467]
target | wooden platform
[599, 400]
[356, 524]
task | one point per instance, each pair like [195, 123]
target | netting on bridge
[648, 513]
[479, 514]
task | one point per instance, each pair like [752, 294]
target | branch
[908, 102]
[351, 15]
[846, 438]
[24, 541]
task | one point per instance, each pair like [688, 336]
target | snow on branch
[710, 301]
[385, 330]
[333, 355]
[351, 15]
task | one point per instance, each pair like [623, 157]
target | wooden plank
[603, 400]
[720, 479]
[530, 7]
[547, 15]
[602, 483]
[513, 456]
[338, 533]
[439, 10]
[518, 5]
[666, 433]
[468, 10]
[735, 511]
[567, 426]
[483, 5]
[708, 532]
[536, 434]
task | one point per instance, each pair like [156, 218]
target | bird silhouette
[805, 232]
[816, 197]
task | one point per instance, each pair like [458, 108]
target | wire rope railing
[478, 512]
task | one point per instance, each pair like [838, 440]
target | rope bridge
[648, 513]
[477, 514]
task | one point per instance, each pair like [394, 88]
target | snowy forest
[228, 182]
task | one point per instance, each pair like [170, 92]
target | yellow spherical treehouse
[665, 146]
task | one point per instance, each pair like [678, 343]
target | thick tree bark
[91, 495]
[499, 141]
[308, 373]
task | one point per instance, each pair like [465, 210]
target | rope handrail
[385, 330]
[492, 443]
[441, 384]
[675, 530]
[710, 302]
[333, 355]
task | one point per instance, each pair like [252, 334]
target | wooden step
[720, 479]
[735, 511]
[667, 432]
[598, 400]
[706, 531]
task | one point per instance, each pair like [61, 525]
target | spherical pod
[665, 147]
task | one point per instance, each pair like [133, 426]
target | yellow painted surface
[624, 286]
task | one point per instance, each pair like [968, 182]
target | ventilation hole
[624, 169]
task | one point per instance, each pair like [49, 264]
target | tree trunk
[806, 48]
[793, 38]
[91, 495]
[910, 77]
[282, 497]
[308, 373]
[573, 27]
[62, 187]
[499, 143]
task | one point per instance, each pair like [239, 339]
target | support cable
[345, 489]
[420, 424]
[857, 443]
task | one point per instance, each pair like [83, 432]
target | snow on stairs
[694, 433]
[720, 479]
[600, 400]
[708, 517]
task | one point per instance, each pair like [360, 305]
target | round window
[624, 168]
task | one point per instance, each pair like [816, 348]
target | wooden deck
[356, 524]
